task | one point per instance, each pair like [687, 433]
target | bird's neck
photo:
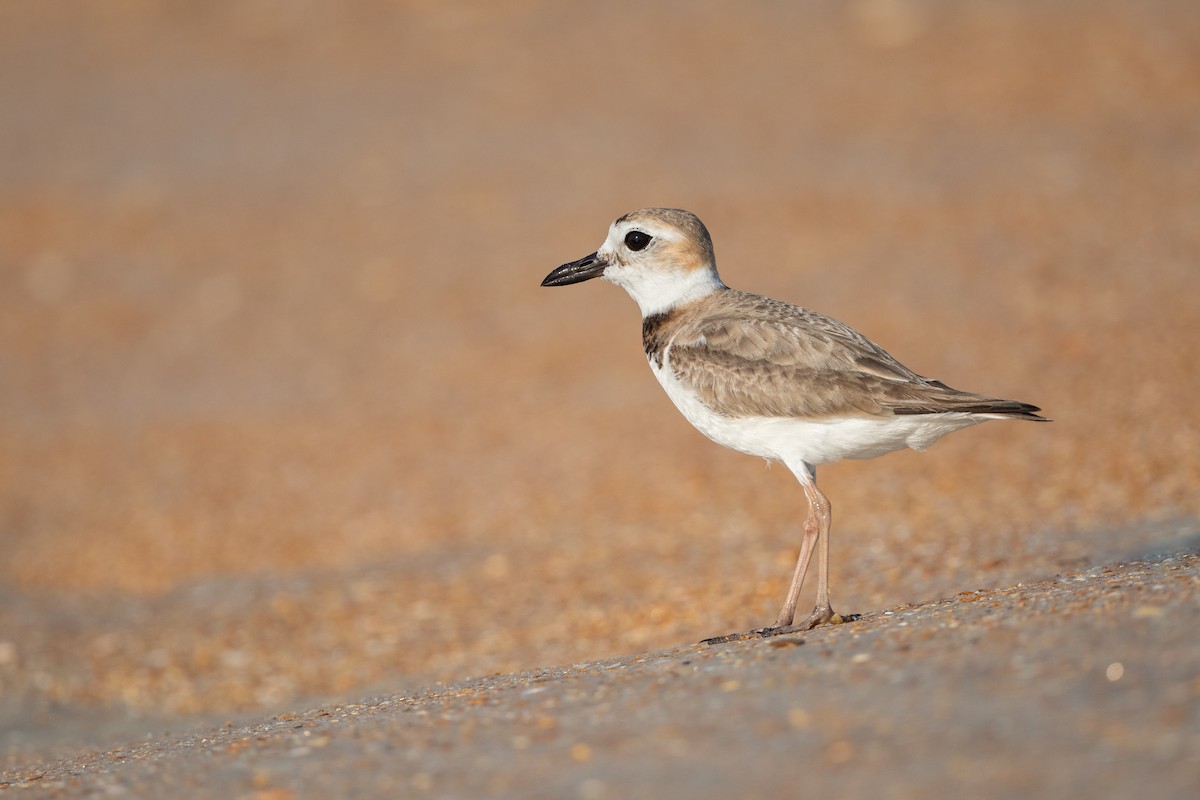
[660, 292]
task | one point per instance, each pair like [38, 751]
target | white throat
[658, 291]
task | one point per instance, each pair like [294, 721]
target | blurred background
[284, 413]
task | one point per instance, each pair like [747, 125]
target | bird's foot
[819, 616]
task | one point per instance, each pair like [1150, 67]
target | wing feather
[749, 355]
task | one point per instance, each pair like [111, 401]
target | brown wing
[749, 355]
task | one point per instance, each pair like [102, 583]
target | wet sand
[1082, 685]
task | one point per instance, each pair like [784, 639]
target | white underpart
[798, 441]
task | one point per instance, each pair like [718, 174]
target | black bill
[584, 269]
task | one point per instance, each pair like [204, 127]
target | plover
[771, 379]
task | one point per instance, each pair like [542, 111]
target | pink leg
[816, 531]
[811, 535]
[816, 536]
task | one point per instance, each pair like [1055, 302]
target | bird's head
[662, 256]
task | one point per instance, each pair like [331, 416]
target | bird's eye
[636, 240]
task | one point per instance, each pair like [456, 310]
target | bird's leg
[811, 534]
[816, 531]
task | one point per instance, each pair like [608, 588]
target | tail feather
[975, 404]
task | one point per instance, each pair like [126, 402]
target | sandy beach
[294, 449]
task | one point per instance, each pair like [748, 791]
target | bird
[771, 379]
